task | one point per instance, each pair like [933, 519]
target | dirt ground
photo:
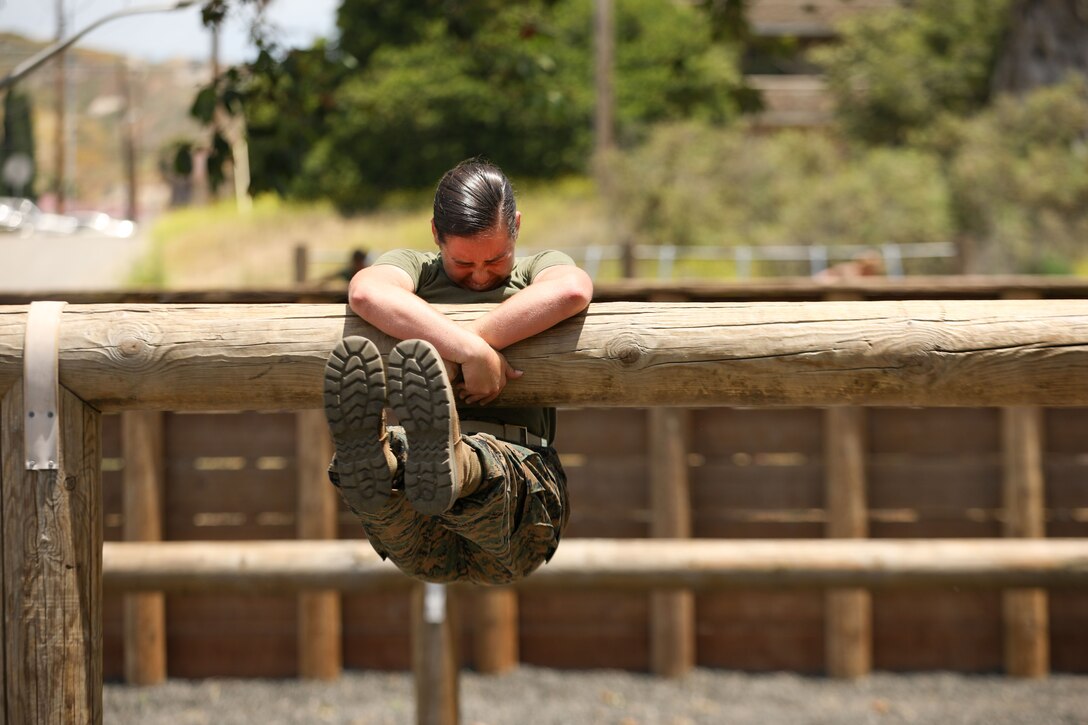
[532, 696]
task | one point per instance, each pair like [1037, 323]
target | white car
[98, 222]
[23, 217]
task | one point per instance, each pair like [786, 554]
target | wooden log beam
[628, 564]
[948, 353]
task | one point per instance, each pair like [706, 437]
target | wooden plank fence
[754, 473]
[1008, 353]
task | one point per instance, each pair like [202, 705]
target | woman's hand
[484, 376]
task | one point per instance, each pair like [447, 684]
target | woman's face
[481, 262]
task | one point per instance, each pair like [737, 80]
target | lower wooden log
[611, 564]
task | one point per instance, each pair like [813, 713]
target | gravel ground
[532, 696]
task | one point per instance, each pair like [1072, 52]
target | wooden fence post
[142, 491]
[320, 645]
[1027, 647]
[672, 613]
[301, 262]
[495, 630]
[434, 657]
[51, 528]
[848, 628]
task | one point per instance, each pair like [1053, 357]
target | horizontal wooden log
[632, 564]
[922, 353]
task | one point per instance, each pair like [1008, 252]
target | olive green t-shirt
[431, 283]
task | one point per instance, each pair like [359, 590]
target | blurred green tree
[898, 70]
[694, 184]
[1018, 177]
[411, 89]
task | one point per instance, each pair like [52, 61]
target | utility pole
[128, 140]
[604, 32]
[59, 133]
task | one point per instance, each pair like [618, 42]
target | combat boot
[441, 467]
[355, 392]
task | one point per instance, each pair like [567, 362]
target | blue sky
[160, 36]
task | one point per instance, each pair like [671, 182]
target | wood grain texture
[954, 353]
[51, 527]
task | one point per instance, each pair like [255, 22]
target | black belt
[517, 434]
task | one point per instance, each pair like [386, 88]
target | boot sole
[421, 396]
[355, 393]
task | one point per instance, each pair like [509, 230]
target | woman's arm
[554, 295]
[383, 296]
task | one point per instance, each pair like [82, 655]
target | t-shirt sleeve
[408, 260]
[541, 261]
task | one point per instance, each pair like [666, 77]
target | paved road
[63, 263]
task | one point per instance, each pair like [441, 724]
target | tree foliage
[412, 88]
[1018, 175]
[898, 70]
[693, 184]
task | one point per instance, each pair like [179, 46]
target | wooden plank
[601, 432]
[580, 629]
[935, 482]
[934, 431]
[761, 630]
[192, 435]
[731, 487]
[1069, 631]
[909, 353]
[51, 530]
[144, 613]
[1066, 430]
[434, 657]
[1027, 636]
[937, 629]
[377, 630]
[727, 431]
[217, 635]
[848, 634]
[1065, 489]
[319, 637]
[672, 613]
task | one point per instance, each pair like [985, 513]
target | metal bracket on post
[41, 386]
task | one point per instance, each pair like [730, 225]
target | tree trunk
[1046, 40]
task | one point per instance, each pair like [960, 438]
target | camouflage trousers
[500, 533]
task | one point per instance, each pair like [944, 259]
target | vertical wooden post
[1027, 647]
[495, 640]
[142, 487]
[434, 657]
[302, 263]
[848, 628]
[320, 645]
[51, 543]
[672, 613]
